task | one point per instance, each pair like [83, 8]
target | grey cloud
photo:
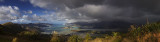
[145, 5]
[142, 4]
[102, 10]
[105, 13]
[130, 11]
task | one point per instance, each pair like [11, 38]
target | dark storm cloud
[61, 3]
[129, 11]
[80, 3]
[146, 5]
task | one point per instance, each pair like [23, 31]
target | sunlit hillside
[11, 32]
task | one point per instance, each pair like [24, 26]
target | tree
[55, 38]
[74, 38]
[14, 39]
[87, 37]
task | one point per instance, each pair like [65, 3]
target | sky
[22, 11]
[103, 13]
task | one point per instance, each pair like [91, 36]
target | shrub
[12, 28]
[144, 33]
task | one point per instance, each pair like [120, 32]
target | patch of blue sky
[23, 6]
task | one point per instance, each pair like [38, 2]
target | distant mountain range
[37, 25]
[104, 25]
